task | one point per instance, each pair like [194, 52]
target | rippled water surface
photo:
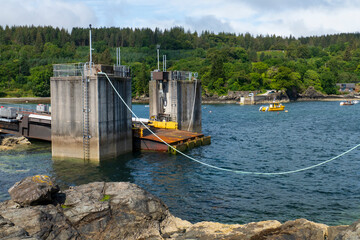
[242, 139]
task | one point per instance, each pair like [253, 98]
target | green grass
[17, 92]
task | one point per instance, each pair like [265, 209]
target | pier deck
[38, 126]
[178, 139]
[31, 125]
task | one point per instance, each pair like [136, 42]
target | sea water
[242, 139]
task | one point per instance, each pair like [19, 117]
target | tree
[103, 58]
[287, 80]
[256, 80]
[312, 78]
[224, 60]
[39, 80]
[347, 54]
[328, 82]
[237, 53]
[68, 50]
[303, 52]
[50, 50]
[39, 42]
[143, 78]
[100, 46]
[346, 77]
[291, 51]
[217, 73]
[259, 67]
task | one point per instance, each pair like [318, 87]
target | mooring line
[221, 168]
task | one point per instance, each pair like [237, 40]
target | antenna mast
[90, 50]
[164, 63]
[118, 56]
[158, 49]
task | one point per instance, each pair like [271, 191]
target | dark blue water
[243, 139]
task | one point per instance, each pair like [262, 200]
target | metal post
[90, 51]
[117, 57]
[158, 51]
[158, 59]
[163, 63]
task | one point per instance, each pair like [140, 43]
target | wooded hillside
[224, 61]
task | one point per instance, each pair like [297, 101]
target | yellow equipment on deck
[164, 125]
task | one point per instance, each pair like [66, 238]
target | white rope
[228, 169]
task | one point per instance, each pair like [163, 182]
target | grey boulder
[33, 190]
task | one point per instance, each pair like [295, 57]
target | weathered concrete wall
[172, 100]
[187, 107]
[67, 117]
[109, 120]
[115, 132]
[153, 98]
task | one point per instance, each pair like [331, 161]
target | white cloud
[56, 13]
[209, 23]
[280, 17]
[306, 22]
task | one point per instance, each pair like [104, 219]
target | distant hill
[224, 61]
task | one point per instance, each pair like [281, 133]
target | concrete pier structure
[88, 119]
[176, 96]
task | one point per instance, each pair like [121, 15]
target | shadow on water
[72, 172]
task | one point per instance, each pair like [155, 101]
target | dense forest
[224, 61]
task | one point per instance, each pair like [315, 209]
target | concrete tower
[88, 119]
[176, 96]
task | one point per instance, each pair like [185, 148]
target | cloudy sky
[280, 17]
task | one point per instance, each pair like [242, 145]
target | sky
[280, 17]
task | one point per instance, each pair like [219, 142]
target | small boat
[275, 106]
[347, 103]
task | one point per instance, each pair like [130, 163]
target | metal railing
[183, 75]
[68, 70]
[122, 71]
[179, 75]
[83, 69]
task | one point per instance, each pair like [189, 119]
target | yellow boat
[275, 106]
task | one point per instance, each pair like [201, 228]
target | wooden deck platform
[180, 140]
[38, 126]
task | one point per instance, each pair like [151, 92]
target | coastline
[205, 100]
[45, 100]
[39, 209]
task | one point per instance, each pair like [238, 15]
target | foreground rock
[9, 231]
[33, 190]
[10, 142]
[119, 210]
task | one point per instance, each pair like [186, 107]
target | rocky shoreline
[8, 142]
[122, 210]
[43, 100]
[231, 98]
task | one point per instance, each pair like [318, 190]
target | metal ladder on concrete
[174, 101]
[86, 112]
